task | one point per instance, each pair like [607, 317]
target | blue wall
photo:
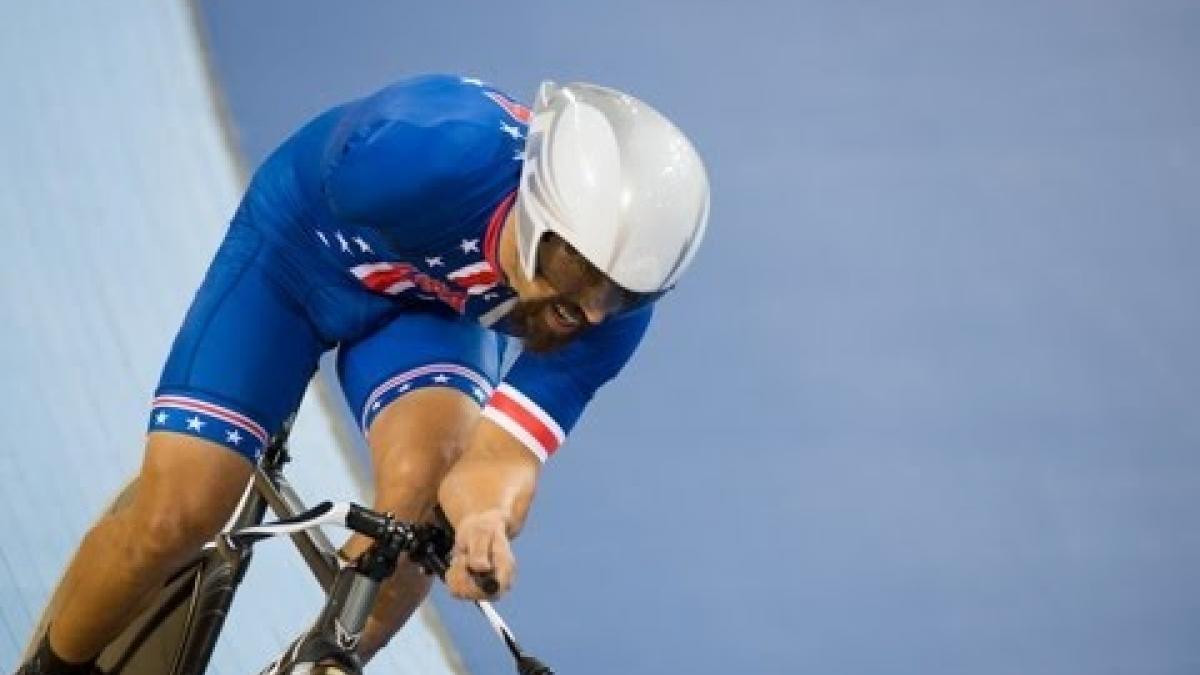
[927, 402]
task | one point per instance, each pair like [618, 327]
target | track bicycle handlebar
[343, 514]
[428, 545]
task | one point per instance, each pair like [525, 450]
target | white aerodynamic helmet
[616, 180]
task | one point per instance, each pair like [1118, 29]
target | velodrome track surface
[117, 182]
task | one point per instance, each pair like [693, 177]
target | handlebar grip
[365, 521]
[528, 665]
[486, 582]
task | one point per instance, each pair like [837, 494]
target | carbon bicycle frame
[177, 632]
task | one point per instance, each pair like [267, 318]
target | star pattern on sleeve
[511, 130]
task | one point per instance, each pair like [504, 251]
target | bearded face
[542, 326]
[569, 296]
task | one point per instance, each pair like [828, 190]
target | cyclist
[412, 230]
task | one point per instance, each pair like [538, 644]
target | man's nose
[594, 312]
[594, 306]
[598, 302]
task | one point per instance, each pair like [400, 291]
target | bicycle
[178, 628]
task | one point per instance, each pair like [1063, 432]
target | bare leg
[414, 442]
[186, 491]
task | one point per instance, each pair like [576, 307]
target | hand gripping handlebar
[428, 545]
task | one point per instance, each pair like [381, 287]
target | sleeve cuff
[525, 420]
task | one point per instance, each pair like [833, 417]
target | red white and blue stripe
[520, 416]
[466, 276]
[466, 380]
[196, 417]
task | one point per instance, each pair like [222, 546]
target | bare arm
[486, 496]
[487, 493]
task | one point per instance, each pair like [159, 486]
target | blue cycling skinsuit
[375, 229]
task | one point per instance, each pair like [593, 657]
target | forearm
[495, 474]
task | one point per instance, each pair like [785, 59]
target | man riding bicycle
[412, 230]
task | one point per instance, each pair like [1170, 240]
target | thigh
[244, 355]
[187, 489]
[415, 351]
[416, 387]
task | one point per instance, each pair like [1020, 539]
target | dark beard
[527, 320]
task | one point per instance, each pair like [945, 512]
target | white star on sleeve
[322, 237]
[435, 261]
[469, 246]
[342, 240]
[363, 245]
[441, 378]
[477, 392]
[511, 130]
[161, 418]
[233, 436]
[195, 423]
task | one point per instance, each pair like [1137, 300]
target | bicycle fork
[336, 632]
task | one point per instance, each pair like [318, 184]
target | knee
[414, 442]
[169, 533]
[407, 481]
[423, 459]
[415, 451]
[186, 492]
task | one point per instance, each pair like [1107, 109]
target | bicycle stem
[378, 563]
